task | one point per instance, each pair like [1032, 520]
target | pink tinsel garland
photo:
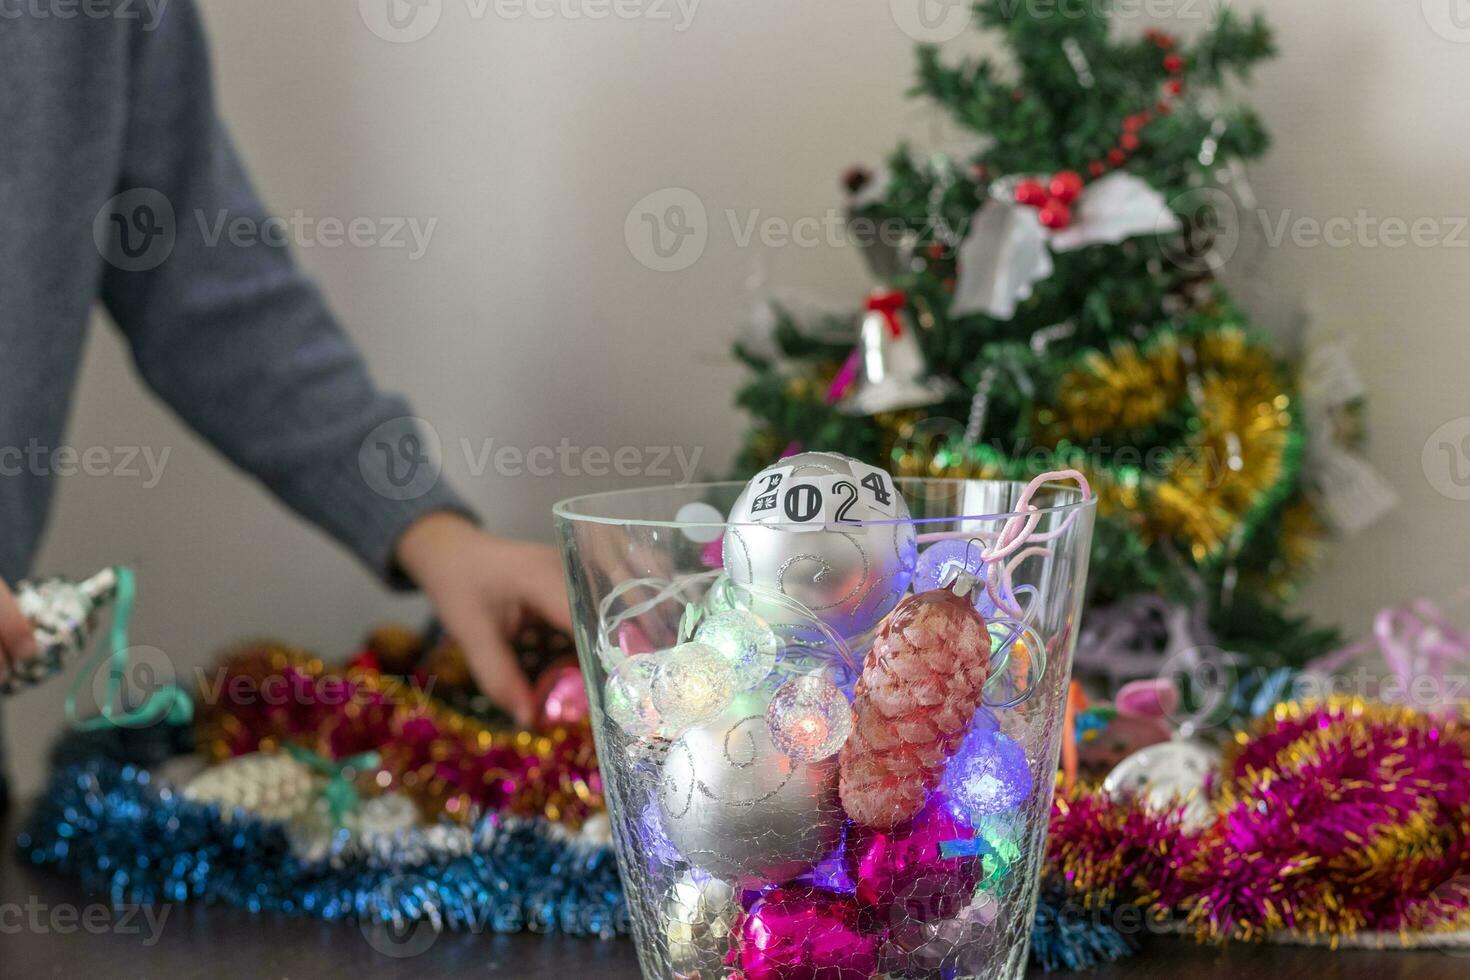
[1331, 819]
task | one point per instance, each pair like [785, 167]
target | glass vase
[805, 782]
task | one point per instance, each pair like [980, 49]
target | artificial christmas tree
[1061, 283]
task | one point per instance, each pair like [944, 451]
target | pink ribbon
[1418, 643]
[846, 377]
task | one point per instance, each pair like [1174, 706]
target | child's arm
[240, 343]
[235, 337]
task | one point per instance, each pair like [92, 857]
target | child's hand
[17, 641]
[483, 589]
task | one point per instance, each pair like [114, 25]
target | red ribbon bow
[889, 303]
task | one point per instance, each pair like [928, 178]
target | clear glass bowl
[728, 776]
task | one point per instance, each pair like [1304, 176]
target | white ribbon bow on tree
[1008, 249]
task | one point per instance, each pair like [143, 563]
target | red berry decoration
[1174, 86]
[936, 251]
[1117, 157]
[1030, 193]
[1056, 215]
[1128, 141]
[1173, 64]
[1136, 121]
[1066, 185]
[1097, 168]
[1161, 38]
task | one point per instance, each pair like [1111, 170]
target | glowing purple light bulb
[939, 561]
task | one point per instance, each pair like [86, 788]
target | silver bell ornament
[891, 372]
[827, 531]
[737, 808]
[63, 615]
[700, 915]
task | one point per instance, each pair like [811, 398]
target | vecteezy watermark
[138, 230]
[388, 930]
[279, 689]
[401, 21]
[669, 229]
[571, 460]
[149, 12]
[393, 931]
[1214, 226]
[937, 21]
[1446, 459]
[143, 463]
[121, 689]
[1450, 19]
[399, 459]
[1446, 902]
[135, 230]
[1218, 686]
[305, 231]
[42, 918]
[931, 21]
[406, 21]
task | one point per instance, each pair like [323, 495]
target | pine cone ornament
[921, 686]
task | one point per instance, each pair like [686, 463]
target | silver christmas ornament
[892, 374]
[798, 529]
[63, 615]
[700, 916]
[737, 807]
[1169, 774]
[272, 785]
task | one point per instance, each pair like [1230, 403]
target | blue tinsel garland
[116, 828]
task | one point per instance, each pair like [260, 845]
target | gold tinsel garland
[267, 695]
[1237, 462]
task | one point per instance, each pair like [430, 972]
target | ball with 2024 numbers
[828, 531]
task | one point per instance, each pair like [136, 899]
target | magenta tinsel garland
[1331, 820]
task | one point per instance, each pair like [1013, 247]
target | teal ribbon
[168, 702]
[341, 795]
[969, 847]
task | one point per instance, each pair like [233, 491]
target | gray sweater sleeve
[234, 336]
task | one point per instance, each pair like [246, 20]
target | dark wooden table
[50, 927]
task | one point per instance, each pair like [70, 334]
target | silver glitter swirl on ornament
[735, 806]
[850, 577]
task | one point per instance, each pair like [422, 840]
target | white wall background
[529, 320]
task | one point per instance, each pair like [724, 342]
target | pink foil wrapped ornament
[900, 873]
[802, 933]
[632, 640]
[561, 696]
[712, 554]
